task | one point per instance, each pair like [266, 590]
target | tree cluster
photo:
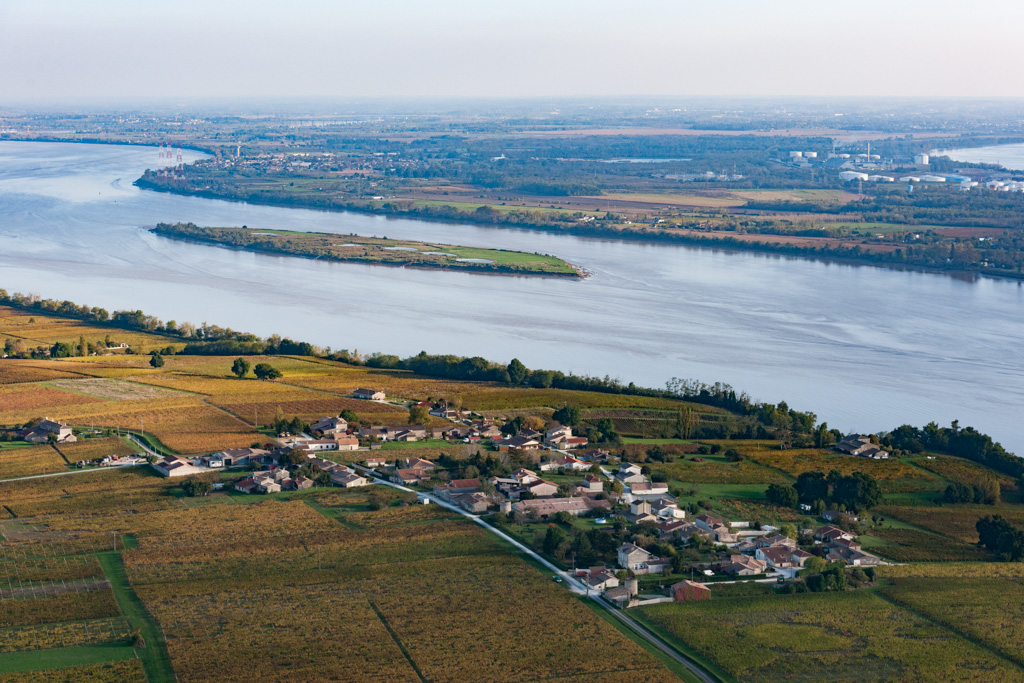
[854, 492]
[1001, 538]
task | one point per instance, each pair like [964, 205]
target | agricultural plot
[649, 424]
[92, 449]
[953, 521]
[986, 609]
[29, 460]
[308, 406]
[306, 596]
[71, 634]
[854, 635]
[17, 400]
[182, 423]
[497, 398]
[15, 371]
[81, 494]
[127, 671]
[745, 509]
[719, 471]
[111, 389]
[960, 470]
[795, 461]
[70, 606]
[44, 328]
[24, 570]
[912, 545]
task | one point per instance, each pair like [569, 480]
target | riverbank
[930, 258]
[373, 250]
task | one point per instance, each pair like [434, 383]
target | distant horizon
[71, 51]
[294, 105]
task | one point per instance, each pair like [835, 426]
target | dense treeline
[963, 442]
[854, 492]
[1001, 538]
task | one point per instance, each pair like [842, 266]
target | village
[533, 478]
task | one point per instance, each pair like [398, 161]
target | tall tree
[418, 415]
[240, 368]
[266, 371]
[517, 372]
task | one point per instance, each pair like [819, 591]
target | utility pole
[115, 540]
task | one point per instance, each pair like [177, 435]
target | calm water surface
[865, 348]
[1009, 156]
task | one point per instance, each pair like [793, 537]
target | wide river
[865, 348]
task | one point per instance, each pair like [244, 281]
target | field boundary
[153, 654]
[394, 637]
[61, 454]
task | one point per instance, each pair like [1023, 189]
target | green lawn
[58, 658]
[399, 445]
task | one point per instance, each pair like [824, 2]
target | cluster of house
[277, 479]
[272, 481]
[861, 446]
[529, 441]
[509, 491]
[843, 547]
[757, 554]
[47, 428]
[177, 466]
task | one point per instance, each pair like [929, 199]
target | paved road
[655, 640]
[82, 471]
[571, 582]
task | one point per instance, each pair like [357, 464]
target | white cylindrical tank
[921, 159]
[795, 155]
[811, 155]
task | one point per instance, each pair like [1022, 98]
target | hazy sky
[71, 49]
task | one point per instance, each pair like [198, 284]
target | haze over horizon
[56, 50]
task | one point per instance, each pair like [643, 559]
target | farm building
[689, 591]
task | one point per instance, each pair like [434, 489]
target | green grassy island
[373, 250]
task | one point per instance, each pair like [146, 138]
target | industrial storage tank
[795, 155]
[921, 159]
[811, 155]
